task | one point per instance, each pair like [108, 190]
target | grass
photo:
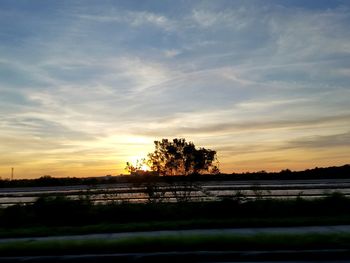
[62, 216]
[38, 231]
[268, 242]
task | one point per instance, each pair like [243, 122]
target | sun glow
[145, 167]
[137, 160]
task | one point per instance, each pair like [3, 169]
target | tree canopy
[178, 157]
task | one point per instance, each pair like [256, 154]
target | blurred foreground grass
[220, 242]
[42, 231]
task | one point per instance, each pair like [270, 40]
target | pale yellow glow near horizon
[268, 162]
[138, 158]
[109, 155]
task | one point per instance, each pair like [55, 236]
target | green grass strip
[220, 242]
[37, 231]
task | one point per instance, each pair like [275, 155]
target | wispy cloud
[255, 80]
[326, 141]
[131, 18]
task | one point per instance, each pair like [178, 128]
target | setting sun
[137, 161]
[145, 167]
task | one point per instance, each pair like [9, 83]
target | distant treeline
[334, 172]
[315, 173]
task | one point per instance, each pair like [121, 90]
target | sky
[86, 86]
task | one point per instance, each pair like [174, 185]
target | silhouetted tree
[178, 157]
[215, 170]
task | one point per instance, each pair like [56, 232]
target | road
[228, 231]
[288, 256]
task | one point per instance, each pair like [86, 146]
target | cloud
[171, 53]
[131, 18]
[236, 19]
[328, 141]
[41, 128]
[75, 78]
[189, 125]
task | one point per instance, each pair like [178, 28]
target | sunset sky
[87, 85]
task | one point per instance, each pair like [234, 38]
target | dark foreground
[285, 256]
[75, 215]
[297, 244]
[51, 215]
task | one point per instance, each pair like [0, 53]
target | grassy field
[61, 216]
